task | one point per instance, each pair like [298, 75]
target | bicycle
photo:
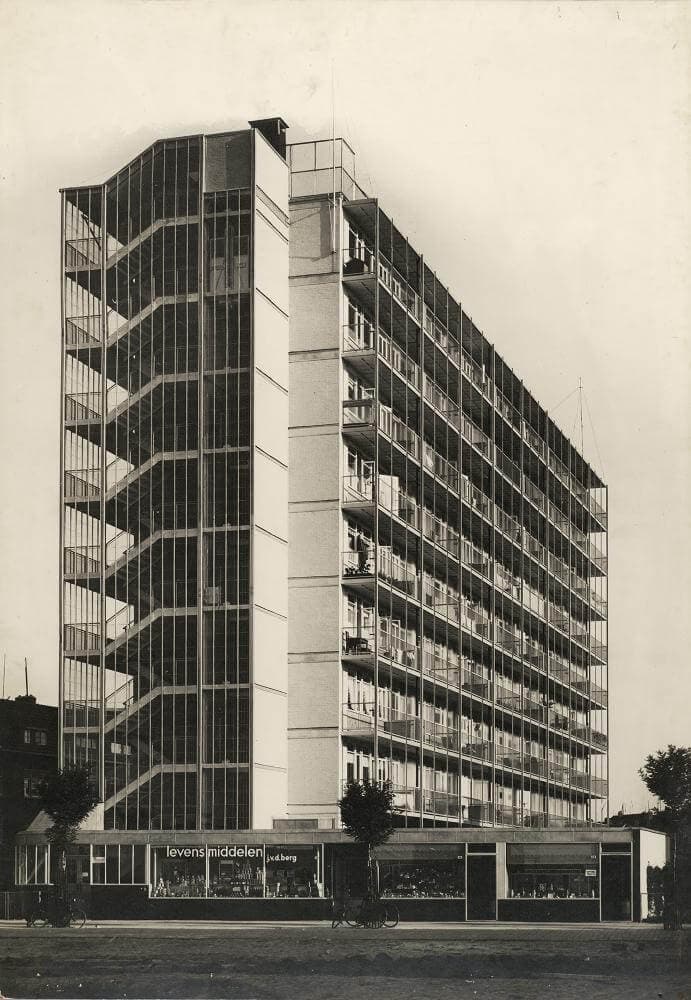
[371, 913]
[49, 914]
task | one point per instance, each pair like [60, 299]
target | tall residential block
[448, 554]
[173, 532]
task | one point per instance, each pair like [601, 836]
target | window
[39, 737]
[33, 867]
[32, 783]
[27, 736]
[422, 879]
[553, 882]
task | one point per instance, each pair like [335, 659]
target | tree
[367, 813]
[67, 796]
[667, 775]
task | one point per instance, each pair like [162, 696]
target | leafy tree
[67, 796]
[667, 775]
[367, 813]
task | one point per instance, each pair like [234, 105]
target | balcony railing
[399, 287]
[398, 503]
[359, 564]
[398, 359]
[534, 440]
[396, 572]
[438, 803]
[508, 467]
[441, 402]
[358, 259]
[358, 337]
[475, 682]
[475, 373]
[507, 409]
[476, 498]
[440, 735]
[358, 488]
[475, 435]
[440, 467]
[477, 748]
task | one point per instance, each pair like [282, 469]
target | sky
[536, 153]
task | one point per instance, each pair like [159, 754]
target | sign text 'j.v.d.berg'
[232, 852]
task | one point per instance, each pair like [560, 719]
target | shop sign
[591, 873]
[225, 851]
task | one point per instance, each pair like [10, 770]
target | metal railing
[82, 406]
[82, 560]
[358, 259]
[475, 373]
[441, 336]
[82, 637]
[82, 484]
[83, 331]
[398, 359]
[358, 337]
[82, 253]
[399, 287]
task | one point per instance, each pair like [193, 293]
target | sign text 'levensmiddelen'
[232, 852]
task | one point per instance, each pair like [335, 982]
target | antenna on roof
[26, 675]
[4, 668]
[333, 157]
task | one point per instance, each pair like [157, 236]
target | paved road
[306, 961]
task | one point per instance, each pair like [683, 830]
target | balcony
[476, 498]
[476, 436]
[596, 739]
[443, 669]
[439, 467]
[442, 403]
[535, 441]
[475, 373]
[507, 409]
[477, 749]
[400, 725]
[440, 735]
[397, 503]
[396, 572]
[359, 488]
[440, 533]
[437, 803]
[359, 564]
[364, 415]
[390, 352]
[441, 336]
[475, 682]
[399, 288]
[358, 337]
[358, 642]
[508, 467]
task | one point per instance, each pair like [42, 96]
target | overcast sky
[538, 154]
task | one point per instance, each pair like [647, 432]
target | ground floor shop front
[579, 875]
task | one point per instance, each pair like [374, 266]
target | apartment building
[173, 532]
[315, 528]
[448, 543]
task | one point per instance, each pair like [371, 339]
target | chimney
[274, 131]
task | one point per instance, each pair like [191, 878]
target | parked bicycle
[49, 913]
[369, 912]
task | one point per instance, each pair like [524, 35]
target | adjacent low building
[28, 753]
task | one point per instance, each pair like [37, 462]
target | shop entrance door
[482, 887]
[616, 887]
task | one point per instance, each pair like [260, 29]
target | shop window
[422, 879]
[174, 876]
[238, 878]
[553, 882]
[293, 872]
